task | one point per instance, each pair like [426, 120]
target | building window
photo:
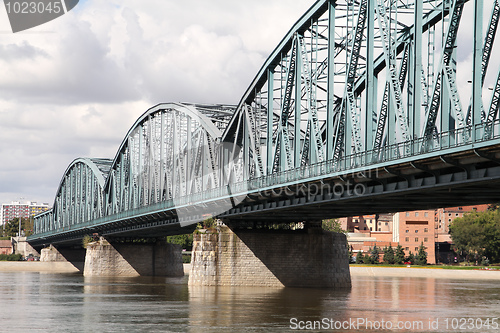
[380, 223]
[416, 231]
[456, 214]
[426, 214]
[426, 230]
[407, 231]
[407, 248]
[416, 249]
[407, 239]
[416, 239]
[407, 214]
[426, 239]
[386, 223]
[449, 214]
[370, 229]
[416, 214]
[449, 220]
[379, 229]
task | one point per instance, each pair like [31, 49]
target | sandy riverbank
[438, 273]
[64, 267]
[37, 266]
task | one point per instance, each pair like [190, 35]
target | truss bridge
[363, 107]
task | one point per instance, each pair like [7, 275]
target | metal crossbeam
[451, 37]
[349, 104]
[488, 48]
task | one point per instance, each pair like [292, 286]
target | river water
[38, 302]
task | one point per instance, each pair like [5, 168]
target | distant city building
[408, 229]
[17, 209]
[417, 228]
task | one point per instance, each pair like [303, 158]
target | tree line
[391, 256]
[11, 228]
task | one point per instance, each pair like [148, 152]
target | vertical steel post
[270, 112]
[246, 145]
[330, 135]
[417, 70]
[370, 87]
[162, 155]
[477, 67]
[298, 104]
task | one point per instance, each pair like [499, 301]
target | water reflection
[245, 309]
[72, 303]
[423, 300]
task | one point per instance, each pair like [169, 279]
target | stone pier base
[133, 259]
[73, 255]
[316, 259]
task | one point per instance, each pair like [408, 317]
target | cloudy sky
[74, 86]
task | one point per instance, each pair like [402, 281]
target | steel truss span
[353, 86]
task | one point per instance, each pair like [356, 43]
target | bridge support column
[133, 259]
[73, 255]
[316, 259]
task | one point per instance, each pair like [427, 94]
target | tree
[11, 228]
[333, 225]
[389, 255]
[478, 234]
[367, 259]
[359, 257]
[399, 256]
[185, 241]
[374, 255]
[421, 258]
[410, 258]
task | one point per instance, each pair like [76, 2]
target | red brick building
[408, 229]
[5, 247]
[416, 228]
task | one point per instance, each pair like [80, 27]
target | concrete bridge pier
[309, 257]
[74, 255]
[111, 258]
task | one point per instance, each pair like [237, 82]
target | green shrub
[10, 257]
[186, 258]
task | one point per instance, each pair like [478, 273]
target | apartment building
[17, 209]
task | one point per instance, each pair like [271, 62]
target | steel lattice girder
[80, 195]
[345, 116]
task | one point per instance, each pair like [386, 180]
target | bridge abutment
[272, 258]
[133, 259]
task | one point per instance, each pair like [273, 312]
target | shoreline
[38, 266]
[364, 271]
[420, 272]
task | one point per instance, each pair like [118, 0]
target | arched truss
[370, 78]
[171, 151]
[80, 196]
